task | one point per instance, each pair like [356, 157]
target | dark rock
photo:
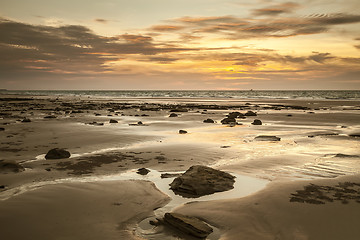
[113, 121]
[256, 122]
[143, 171]
[2, 186]
[140, 123]
[154, 222]
[97, 114]
[340, 155]
[182, 131]
[50, 116]
[250, 114]
[267, 138]
[179, 110]
[209, 121]
[25, 120]
[96, 124]
[354, 135]
[173, 115]
[189, 225]
[289, 115]
[10, 166]
[199, 180]
[57, 153]
[48, 169]
[228, 120]
[235, 115]
[2, 129]
[170, 175]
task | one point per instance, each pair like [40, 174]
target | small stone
[173, 115]
[50, 116]
[2, 129]
[26, 120]
[256, 122]
[209, 121]
[182, 132]
[113, 121]
[250, 114]
[143, 171]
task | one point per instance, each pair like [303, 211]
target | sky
[179, 45]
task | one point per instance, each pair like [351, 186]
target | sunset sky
[168, 44]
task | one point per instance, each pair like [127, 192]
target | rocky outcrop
[256, 122]
[267, 138]
[199, 180]
[189, 225]
[57, 153]
[10, 166]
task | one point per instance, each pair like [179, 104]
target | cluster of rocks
[318, 194]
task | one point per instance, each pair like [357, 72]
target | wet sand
[318, 145]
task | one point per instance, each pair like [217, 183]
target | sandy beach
[310, 175]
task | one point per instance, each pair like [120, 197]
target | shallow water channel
[243, 186]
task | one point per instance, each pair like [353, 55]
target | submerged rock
[10, 166]
[57, 153]
[187, 224]
[267, 138]
[199, 180]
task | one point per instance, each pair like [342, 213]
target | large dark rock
[228, 121]
[143, 171]
[256, 122]
[188, 225]
[57, 153]
[267, 138]
[10, 166]
[199, 180]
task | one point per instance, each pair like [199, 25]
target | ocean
[302, 94]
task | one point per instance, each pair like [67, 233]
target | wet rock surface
[187, 224]
[318, 194]
[267, 138]
[10, 166]
[200, 180]
[57, 153]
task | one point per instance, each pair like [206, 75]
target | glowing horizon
[170, 45]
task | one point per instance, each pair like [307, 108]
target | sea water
[253, 94]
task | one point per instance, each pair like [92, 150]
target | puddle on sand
[244, 186]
